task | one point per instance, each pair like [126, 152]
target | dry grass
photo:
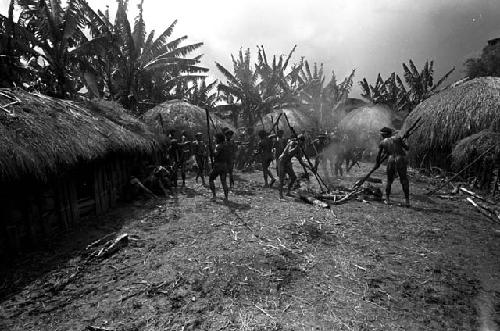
[486, 143]
[452, 115]
[40, 136]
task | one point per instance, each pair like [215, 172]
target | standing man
[184, 155]
[221, 160]
[232, 149]
[200, 151]
[320, 145]
[264, 149]
[292, 149]
[397, 163]
[173, 157]
[278, 148]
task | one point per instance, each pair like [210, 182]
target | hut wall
[32, 212]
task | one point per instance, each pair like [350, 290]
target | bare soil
[258, 263]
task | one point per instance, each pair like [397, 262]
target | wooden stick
[460, 172]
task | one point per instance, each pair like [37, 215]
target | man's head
[262, 134]
[229, 134]
[280, 133]
[386, 132]
[199, 136]
[219, 138]
[301, 138]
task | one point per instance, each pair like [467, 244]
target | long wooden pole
[209, 138]
[311, 166]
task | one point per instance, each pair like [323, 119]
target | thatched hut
[61, 161]
[363, 124]
[181, 116]
[300, 120]
[481, 149]
[451, 115]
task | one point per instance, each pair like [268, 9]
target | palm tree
[52, 31]
[322, 100]
[243, 86]
[203, 95]
[139, 69]
[392, 91]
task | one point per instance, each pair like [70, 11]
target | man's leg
[183, 172]
[292, 176]
[391, 174]
[211, 177]
[266, 166]
[402, 169]
[231, 175]
[223, 180]
[281, 177]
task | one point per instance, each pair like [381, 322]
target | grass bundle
[41, 136]
[450, 116]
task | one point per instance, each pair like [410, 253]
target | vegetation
[119, 62]
[488, 64]
[454, 114]
[277, 84]
[400, 97]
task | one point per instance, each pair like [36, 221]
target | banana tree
[53, 30]
[404, 97]
[139, 69]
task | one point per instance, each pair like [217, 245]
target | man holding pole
[395, 148]
[292, 149]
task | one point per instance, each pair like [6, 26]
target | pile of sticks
[483, 205]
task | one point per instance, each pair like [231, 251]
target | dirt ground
[258, 263]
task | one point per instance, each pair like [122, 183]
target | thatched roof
[451, 115]
[41, 136]
[181, 116]
[299, 120]
[367, 120]
[485, 144]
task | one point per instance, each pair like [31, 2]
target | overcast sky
[371, 36]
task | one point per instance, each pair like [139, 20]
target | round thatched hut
[450, 116]
[300, 120]
[61, 161]
[481, 149]
[181, 116]
[363, 124]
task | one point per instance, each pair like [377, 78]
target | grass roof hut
[181, 116]
[451, 115]
[61, 161]
[300, 120]
[483, 149]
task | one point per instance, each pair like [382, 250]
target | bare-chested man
[221, 160]
[397, 163]
[292, 149]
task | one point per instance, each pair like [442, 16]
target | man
[232, 149]
[200, 151]
[278, 148]
[173, 159]
[264, 149]
[292, 149]
[221, 160]
[320, 145]
[397, 163]
[184, 155]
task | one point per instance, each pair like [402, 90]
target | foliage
[202, 95]
[488, 64]
[139, 70]
[394, 93]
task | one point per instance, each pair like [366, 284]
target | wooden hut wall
[35, 212]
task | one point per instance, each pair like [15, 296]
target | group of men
[227, 154]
